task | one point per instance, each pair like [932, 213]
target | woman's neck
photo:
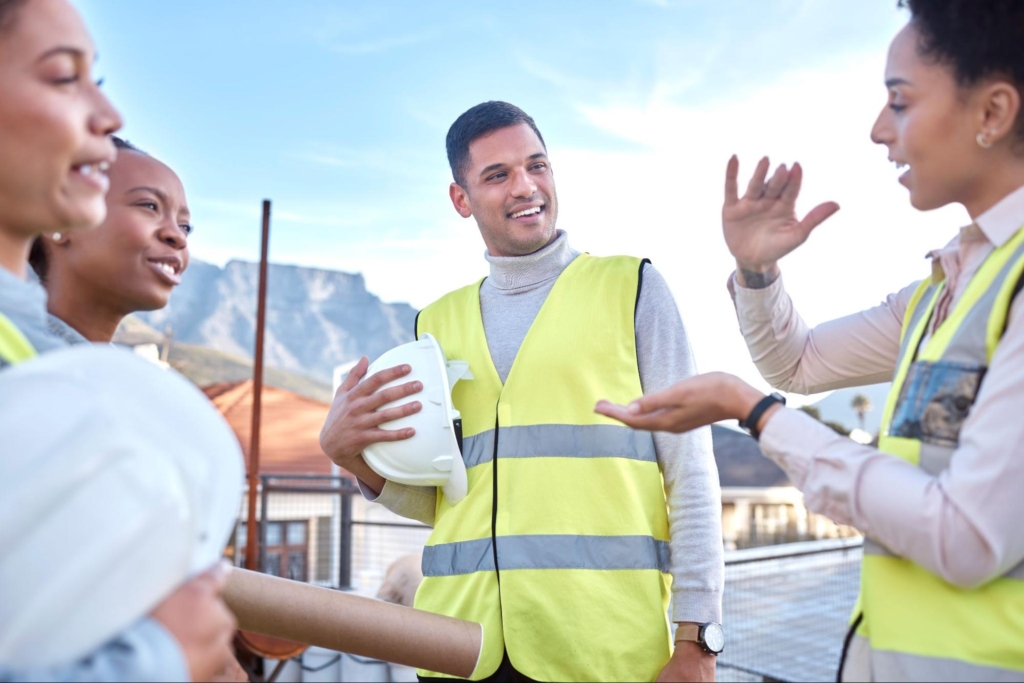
[82, 310]
[14, 251]
[1000, 181]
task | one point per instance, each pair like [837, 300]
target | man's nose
[523, 185]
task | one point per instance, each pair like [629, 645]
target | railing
[786, 607]
[786, 610]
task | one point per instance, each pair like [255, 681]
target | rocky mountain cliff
[316, 319]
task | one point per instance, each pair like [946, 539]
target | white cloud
[664, 202]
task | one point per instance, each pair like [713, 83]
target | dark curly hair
[8, 12]
[978, 39]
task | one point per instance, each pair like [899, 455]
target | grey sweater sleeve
[144, 652]
[687, 461]
[412, 502]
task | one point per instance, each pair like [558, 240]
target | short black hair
[8, 12]
[37, 256]
[476, 122]
[122, 144]
[978, 39]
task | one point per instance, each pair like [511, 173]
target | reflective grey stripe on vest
[547, 551]
[557, 440]
[874, 548]
[915, 318]
[900, 666]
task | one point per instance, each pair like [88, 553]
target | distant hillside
[316, 319]
[205, 366]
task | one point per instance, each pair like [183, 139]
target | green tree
[861, 404]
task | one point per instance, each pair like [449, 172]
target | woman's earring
[56, 236]
[982, 140]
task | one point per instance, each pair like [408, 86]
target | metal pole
[257, 391]
[264, 504]
[345, 570]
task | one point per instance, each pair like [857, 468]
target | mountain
[836, 407]
[316, 319]
[205, 366]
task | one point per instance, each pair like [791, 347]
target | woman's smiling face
[135, 259]
[54, 123]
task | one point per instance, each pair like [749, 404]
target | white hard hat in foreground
[118, 482]
[433, 456]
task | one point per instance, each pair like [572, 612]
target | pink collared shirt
[965, 524]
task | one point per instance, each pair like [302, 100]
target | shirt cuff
[165, 660]
[369, 493]
[817, 460]
[756, 304]
[697, 606]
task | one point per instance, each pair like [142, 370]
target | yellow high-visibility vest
[560, 549]
[14, 347]
[917, 626]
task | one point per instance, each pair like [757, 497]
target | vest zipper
[494, 508]
[846, 645]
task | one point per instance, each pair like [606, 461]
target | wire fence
[786, 607]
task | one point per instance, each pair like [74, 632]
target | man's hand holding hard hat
[353, 422]
[367, 417]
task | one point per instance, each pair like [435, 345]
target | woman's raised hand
[761, 226]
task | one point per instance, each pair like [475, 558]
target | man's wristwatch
[709, 636]
[750, 424]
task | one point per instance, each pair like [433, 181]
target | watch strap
[750, 424]
[688, 632]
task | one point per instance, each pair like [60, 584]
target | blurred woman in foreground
[55, 150]
[939, 501]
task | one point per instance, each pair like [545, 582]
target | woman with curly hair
[131, 262]
[939, 500]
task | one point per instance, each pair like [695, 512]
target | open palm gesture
[761, 226]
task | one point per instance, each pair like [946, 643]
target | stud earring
[982, 140]
[56, 236]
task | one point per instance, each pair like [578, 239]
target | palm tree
[862, 405]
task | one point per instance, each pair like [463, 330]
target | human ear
[1001, 104]
[460, 200]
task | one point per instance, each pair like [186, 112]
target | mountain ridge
[316, 318]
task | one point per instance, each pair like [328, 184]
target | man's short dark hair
[477, 122]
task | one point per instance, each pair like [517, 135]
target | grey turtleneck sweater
[510, 299]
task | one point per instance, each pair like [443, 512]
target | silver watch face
[714, 637]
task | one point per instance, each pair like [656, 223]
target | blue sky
[337, 111]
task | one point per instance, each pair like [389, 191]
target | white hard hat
[118, 482]
[433, 456]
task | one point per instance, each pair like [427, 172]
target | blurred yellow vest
[14, 347]
[917, 626]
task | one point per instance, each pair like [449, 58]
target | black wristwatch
[750, 424]
[709, 636]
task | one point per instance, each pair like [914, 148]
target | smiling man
[574, 528]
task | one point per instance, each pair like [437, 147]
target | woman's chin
[925, 202]
[85, 216]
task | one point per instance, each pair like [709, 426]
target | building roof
[290, 426]
[741, 463]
